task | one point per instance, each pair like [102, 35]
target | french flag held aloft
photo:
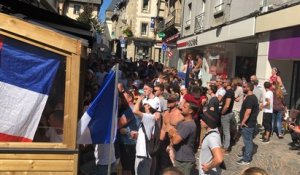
[98, 124]
[26, 76]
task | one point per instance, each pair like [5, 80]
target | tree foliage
[87, 17]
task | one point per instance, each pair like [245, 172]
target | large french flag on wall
[26, 75]
[98, 123]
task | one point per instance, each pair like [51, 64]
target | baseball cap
[154, 102]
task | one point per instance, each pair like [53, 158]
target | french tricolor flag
[26, 75]
[98, 124]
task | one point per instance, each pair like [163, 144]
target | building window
[76, 10]
[219, 5]
[189, 16]
[144, 29]
[145, 5]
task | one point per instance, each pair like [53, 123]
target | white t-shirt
[269, 95]
[211, 141]
[220, 91]
[148, 121]
[238, 93]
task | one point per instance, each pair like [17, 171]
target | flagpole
[113, 121]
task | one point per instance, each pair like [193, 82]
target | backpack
[152, 144]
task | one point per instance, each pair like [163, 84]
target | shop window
[76, 9]
[143, 52]
[144, 29]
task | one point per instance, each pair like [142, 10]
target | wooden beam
[36, 165]
[38, 34]
[38, 156]
[72, 97]
[40, 45]
[31, 145]
[35, 173]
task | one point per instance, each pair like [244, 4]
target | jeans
[226, 121]
[277, 119]
[247, 134]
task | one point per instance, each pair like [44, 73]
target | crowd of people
[156, 102]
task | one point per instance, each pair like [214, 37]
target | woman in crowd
[278, 109]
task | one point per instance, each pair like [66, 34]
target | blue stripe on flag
[101, 111]
[27, 66]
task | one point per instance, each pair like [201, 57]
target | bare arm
[136, 108]
[218, 158]
[175, 138]
[279, 81]
[246, 116]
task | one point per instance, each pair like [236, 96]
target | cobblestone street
[275, 157]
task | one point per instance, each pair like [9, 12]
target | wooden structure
[37, 157]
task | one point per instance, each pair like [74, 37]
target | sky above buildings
[104, 6]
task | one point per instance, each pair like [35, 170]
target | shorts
[267, 121]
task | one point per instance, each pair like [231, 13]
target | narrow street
[275, 157]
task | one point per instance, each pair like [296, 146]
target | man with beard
[183, 138]
[248, 115]
[170, 119]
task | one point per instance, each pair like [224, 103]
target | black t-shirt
[214, 102]
[250, 102]
[229, 94]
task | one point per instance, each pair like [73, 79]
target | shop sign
[190, 43]
[173, 37]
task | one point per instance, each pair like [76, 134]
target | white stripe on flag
[21, 110]
[84, 135]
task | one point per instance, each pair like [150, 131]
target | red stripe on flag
[10, 138]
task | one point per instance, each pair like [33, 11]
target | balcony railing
[173, 18]
[199, 22]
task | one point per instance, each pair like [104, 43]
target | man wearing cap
[143, 160]
[170, 119]
[211, 155]
[183, 138]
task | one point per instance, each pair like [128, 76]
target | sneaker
[294, 148]
[265, 141]
[280, 136]
[242, 162]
